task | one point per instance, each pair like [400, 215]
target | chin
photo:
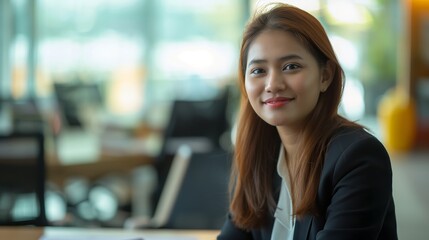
[275, 123]
[282, 122]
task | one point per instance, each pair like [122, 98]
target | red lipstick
[277, 101]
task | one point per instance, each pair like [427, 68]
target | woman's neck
[290, 139]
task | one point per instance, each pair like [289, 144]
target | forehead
[275, 44]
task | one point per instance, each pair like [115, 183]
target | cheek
[252, 89]
[307, 90]
[305, 84]
[300, 84]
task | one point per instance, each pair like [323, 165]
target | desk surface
[34, 233]
[112, 155]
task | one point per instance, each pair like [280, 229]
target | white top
[284, 223]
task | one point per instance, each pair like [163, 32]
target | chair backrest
[22, 179]
[198, 124]
[172, 186]
[202, 199]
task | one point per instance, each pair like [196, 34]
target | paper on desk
[74, 237]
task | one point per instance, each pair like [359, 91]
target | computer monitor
[72, 97]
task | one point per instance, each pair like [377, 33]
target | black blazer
[355, 195]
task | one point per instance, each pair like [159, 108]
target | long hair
[258, 143]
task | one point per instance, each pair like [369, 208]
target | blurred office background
[104, 80]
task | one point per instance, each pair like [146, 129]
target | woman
[300, 170]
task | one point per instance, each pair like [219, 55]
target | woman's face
[282, 79]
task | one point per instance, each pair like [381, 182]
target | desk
[108, 164]
[113, 156]
[34, 233]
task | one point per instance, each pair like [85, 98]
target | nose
[275, 82]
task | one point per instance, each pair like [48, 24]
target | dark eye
[257, 71]
[290, 67]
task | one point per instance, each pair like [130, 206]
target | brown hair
[258, 143]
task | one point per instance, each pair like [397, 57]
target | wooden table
[57, 173]
[118, 156]
[35, 233]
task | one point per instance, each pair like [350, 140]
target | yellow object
[398, 121]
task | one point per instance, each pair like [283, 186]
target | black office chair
[202, 199]
[22, 179]
[199, 124]
[195, 195]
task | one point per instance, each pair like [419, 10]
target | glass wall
[100, 42]
[17, 47]
[143, 53]
[139, 53]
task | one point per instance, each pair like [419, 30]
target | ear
[327, 75]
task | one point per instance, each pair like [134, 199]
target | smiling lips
[277, 101]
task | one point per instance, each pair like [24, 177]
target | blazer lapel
[303, 227]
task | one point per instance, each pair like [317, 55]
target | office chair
[198, 124]
[202, 199]
[195, 195]
[168, 195]
[22, 179]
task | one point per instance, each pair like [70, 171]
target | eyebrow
[284, 58]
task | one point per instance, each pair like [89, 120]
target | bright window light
[103, 53]
[307, 5]
[346, 51]
[347, 12]
[204, 59]
[352, 103]
[201, 5]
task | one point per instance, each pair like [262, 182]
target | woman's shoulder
[347, 136]
[353, 146]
